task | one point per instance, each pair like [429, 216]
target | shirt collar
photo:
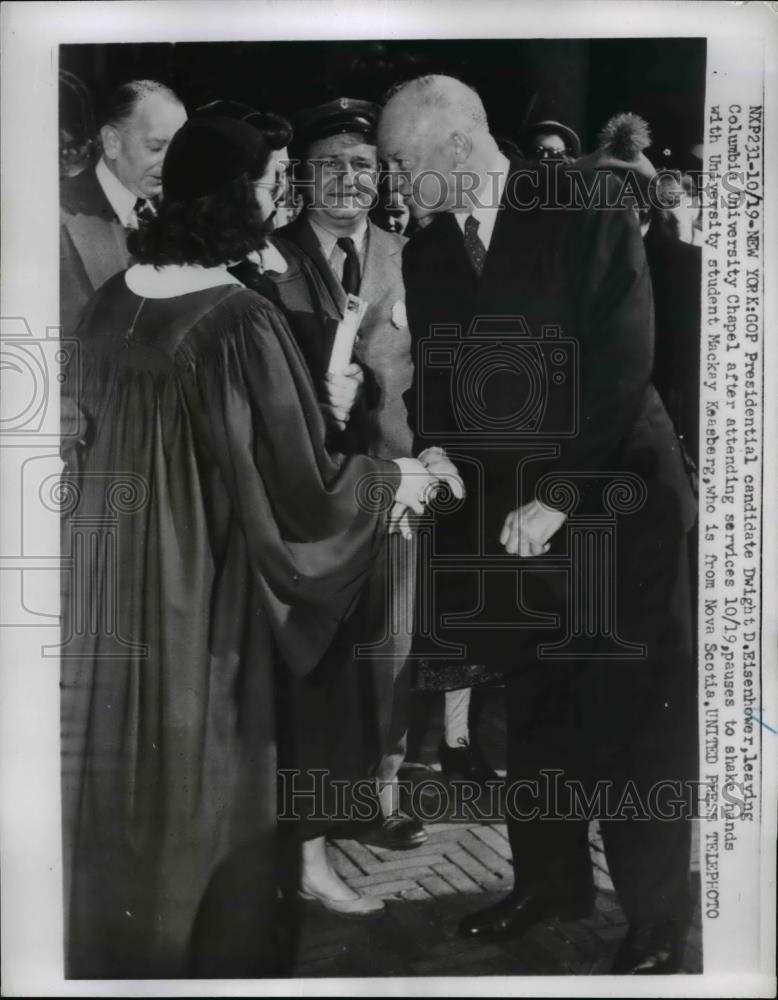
[122, 200]
[489, 196]
[328, 240]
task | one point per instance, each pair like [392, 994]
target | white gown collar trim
[166, 282]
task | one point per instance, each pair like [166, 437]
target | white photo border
[29, 711]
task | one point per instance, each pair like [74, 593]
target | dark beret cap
[207, 153]
[335, 118]
[224, 109]
[277, 131]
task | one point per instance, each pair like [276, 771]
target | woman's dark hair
[219, 228]
[275, 130]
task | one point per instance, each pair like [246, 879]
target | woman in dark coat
[215, 541]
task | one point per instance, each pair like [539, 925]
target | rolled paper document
[343, 346]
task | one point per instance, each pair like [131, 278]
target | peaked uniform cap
[344, 115]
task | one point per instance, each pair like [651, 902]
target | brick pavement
[462, 867]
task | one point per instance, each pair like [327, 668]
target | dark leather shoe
[465, 763]
[395, 832]
[651, 949]
[517, 913]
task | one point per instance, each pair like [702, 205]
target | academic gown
[213, 542]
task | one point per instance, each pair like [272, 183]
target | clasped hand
[528, 530]
[421, 479]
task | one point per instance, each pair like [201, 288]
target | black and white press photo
[387, 448]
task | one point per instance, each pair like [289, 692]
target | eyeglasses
[544, 153]
[278, 186]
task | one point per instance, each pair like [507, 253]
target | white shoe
[362, 906]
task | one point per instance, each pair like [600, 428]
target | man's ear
[111, 141]
[462, 145]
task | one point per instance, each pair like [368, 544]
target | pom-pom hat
[208, 153]
[620, 147]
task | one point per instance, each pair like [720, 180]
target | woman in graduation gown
[214, 541]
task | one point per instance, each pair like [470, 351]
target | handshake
[422, 477]
[526, 531]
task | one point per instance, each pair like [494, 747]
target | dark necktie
[351, 278]
[476, 251]
[144, 211]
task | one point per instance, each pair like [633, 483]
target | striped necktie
[144, 210]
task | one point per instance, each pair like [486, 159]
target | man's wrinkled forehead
[343, 142]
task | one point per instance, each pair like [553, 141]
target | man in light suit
[509, 239]
[354, 255]
[99, 205]
[336, 144]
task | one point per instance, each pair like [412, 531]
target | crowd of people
[263, 586]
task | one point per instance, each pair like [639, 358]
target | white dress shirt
[332, 252]
[488, 196]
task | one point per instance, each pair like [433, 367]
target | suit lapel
[302, 234]
[101, 245]
[452, 244]
[513, 251]
[96, 233]
[503, 238]
[379, 249]
[83, 195]
[501, 253]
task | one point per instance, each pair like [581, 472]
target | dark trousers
[346, 722]
[624, 728]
